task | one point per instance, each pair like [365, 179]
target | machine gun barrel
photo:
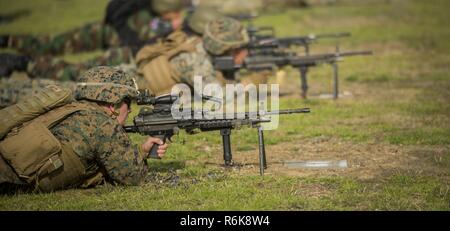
[130, 129]
[289, 111]
[354, 53]
[262, 62]
[336, 35]
[260, 42]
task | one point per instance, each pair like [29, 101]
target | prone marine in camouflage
[95, 134]
[127, 23]
[185, 64]
[54, 68]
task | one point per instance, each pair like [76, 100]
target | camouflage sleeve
[190, 64]
[124, 163]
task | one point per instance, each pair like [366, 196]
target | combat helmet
[164, 6]
[106, 84]
[224, 34]
[200, 17]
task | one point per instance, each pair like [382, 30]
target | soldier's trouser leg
[87, 38]
[57, 69]
[48, 67]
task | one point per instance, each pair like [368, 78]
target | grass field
[393, 128]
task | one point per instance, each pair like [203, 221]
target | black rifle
[263, 40]
[226, 65]
[159, 122]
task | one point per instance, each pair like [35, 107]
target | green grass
[217, 192]
[400, 99]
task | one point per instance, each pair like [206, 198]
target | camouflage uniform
[220, 36]
[19, 86]
[46, 70]
[102, 145]
[48, 67]
[199, 62]
[187, 64]
[90, 37]
[95, 136]
[191, 64]
[128, 23]
[223, 35]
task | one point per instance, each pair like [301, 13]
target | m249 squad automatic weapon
[159, 122]
[266, 51]
[226, 64]
[264, 41]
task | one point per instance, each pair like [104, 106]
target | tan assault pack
[154, 62]
[34, 152]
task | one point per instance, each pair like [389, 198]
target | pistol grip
[154, 150]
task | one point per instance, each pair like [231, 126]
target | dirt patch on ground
[365, 161]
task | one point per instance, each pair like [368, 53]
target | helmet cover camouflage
[200, 17]
[106, 84]
[164, 6]
[224, 34]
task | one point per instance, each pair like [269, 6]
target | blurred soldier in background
[46, 71]
[129, 23]
[176, 59]
[128, 20]
[184, 55]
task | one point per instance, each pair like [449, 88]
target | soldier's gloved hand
[151, 141]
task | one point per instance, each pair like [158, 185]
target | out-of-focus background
[392, 124]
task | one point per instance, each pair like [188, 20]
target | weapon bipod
[304, 76]
[228, 157]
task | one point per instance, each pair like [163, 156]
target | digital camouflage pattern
[54, 68]
[199, 63]
[224, 34]
[19, 86]
[106, 84]
[102, 145]
[200, 17]
[89, 37]
[95, 135]
[191, 64]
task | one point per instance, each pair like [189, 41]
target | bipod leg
[303, 81]
[227, 156]
[262, 151]
[336, 81]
